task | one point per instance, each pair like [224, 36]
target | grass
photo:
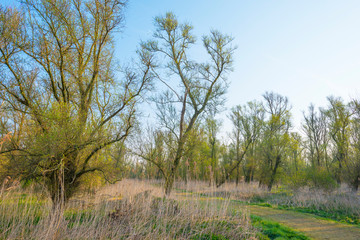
[127, 210]
[137, 210]
[339, 206]
[272, 230]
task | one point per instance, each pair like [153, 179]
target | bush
[320, 178]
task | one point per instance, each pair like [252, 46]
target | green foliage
[320, 178]
[295, 180]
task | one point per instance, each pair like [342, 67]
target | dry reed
[128, 210]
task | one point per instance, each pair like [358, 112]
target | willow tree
[339, 126]
[276, 137]
[57, 68]
[191, 87]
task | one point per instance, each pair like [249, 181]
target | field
[134, 209]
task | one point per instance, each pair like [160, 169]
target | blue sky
[305, 50]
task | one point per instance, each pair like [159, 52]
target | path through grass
[308, 224]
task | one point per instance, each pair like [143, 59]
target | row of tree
[264, 147]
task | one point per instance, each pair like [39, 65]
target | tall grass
[128, 210]
[341, 204]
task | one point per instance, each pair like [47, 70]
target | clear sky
[304, 49]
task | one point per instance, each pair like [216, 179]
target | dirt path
[308, 224]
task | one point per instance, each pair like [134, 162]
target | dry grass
[128, 210]
[341, 204]
[243, 191]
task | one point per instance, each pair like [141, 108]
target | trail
[311, 226]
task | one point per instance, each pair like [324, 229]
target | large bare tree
[189, 87]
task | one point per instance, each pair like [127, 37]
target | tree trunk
[273, 174]
[247, 174]
[247, 178]
[237, 175]
[169, 182]
[355, 184]
[271, 182]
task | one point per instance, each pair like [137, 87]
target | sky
[305, 49]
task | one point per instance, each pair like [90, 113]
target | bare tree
[247, 123]
[191, 86]
[316, 131]
[57, 69]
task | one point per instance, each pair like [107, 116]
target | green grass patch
[334, 215]
[273, 230]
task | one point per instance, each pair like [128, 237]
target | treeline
[264, 147]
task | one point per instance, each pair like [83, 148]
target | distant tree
[317, 137]
[339, 118]
[212, 127]
[352, 163]
[294, 163]
[275, 138]
[57, 69]
[195, 160]
[247, 123]
[191, 86]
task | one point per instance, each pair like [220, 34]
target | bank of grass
[128, 210]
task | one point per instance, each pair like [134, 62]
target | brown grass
[128, 210]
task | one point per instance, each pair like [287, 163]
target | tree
[191, 86]
[352, 163]
[275, 137]
[195, 162]
[57, 69]
[212, 127]
[247, 123]
[339, 117]
[316, 131]
[294, 164]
